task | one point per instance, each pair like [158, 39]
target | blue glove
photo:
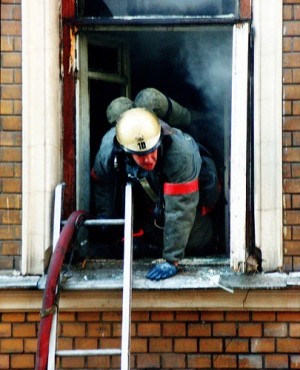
[162, 271]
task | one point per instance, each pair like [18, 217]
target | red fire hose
[48, 306]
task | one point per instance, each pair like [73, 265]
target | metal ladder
[124, 351]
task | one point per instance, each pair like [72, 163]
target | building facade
[46, 124]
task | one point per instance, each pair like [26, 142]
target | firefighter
[164, 165]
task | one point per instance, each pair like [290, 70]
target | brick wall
[162, 339]
[10, 135]
[291, 133]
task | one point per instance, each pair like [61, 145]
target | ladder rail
[58, 199]
[124, 351]
[127, 280]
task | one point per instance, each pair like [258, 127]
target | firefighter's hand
[163, 270]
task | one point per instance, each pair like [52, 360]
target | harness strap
[150, 192]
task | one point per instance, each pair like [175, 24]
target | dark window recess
[113, 8]
[103, 59]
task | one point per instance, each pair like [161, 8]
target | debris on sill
[195, 273]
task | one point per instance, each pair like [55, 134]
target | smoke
[207, 60]
[170, 7]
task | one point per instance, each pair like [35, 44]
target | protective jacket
[174, 181]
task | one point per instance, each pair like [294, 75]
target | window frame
[42, 152]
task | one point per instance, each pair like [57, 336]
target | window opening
[191, 66]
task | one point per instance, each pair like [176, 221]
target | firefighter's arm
[181, 201]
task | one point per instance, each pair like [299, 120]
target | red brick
[99, 330]
[10, 217]
[292, 217]
[236, 345]
[162, 316]
[5, 330]
[6, 107]
[11, 60]
[296, 263]
[6, 263]
[11, 345]
[173, 361]
[288, 316]
[4, 361]
[11, 28]
[149, 329]
[10, 122]
[88, 316]
[160, 345]
[7, 75]
[295, 169]
[24, 330]
[199, 330]
[237, 316]
[140, 345]
[275, 330]
[73, 362]
[22, 361]
[185, 345]
[99, 362]
[187, 316]
[10, 138]
[73, 330]
[174, 330]
[66, 316]
[249, 330]
[112, 316]
[11, 92]
[291, 123]
[10, 154]
[224, 329]
[85, 343]
[117, 329]
[291, 154]
[287, 12]
[33, 316]
[250, 362]
[14, 201]
[294, 330]
[210, 345]
[262, 345]
[291, 28]
[263, 316]
[12, 185]
[288, 345]
[148, 361]
[212, 316]
[295, 203]
[276, 361]
[224, 361]
[295, 361]
[30, 345]
[13, 317]
[140, 316]
[110, 343]
[292, 248]
[199, 361]
[64, 343]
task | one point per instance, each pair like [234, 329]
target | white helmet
[138, 131]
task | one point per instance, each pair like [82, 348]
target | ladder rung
[96, 222]
[89, 352]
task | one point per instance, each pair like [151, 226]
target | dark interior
[192, 67]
